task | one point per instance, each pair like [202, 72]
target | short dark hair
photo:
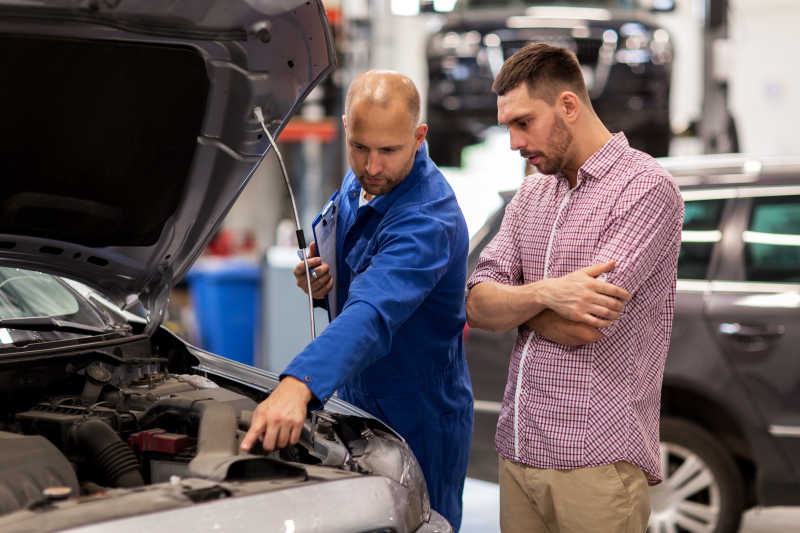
[546, 69]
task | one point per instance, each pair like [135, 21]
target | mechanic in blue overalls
[396, 348]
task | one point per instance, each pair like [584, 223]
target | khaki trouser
[604, 499]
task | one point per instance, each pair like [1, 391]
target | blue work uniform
[396, 347]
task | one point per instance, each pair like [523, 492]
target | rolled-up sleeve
[413, 255]
[643, 234]
[500, 261]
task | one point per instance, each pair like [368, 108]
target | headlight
[384, 455]
[639, 44]
[458, 44]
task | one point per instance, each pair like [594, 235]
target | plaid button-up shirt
[571, 407]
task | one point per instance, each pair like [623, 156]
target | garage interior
[727, 84]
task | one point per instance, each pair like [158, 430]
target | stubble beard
[560, 140]
[390, 182]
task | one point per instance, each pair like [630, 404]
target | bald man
[395, 348]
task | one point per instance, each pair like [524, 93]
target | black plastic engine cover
[28, 465]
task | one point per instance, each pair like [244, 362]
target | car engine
[123, 418]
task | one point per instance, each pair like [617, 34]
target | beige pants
[604, 499]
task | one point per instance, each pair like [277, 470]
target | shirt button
[308, 378]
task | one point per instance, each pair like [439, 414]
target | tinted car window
[772, 242]
[700, 233]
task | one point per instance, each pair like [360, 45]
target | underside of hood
[128, 128]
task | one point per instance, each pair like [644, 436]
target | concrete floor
[482, 503]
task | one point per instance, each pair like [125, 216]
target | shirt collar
[600, 162]
[383, 202]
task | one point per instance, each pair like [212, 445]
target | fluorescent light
[538, 22]
[701, 236]
[779, 239]
[444, 6]
[712, 194]
[578, 13]
[405, 7]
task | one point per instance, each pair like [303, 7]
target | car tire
[702, 486]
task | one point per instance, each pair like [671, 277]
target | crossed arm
[567, 310]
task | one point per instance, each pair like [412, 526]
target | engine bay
[139, 413]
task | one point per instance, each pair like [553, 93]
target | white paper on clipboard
[324, 230]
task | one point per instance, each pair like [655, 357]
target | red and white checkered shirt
[570, 407]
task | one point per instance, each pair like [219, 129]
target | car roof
[722, 171]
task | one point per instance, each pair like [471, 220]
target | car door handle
[743, 330]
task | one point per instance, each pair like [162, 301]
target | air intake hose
[114, 459]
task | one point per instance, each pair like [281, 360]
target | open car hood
[128, 128]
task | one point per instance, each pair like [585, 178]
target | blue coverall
[396, 347]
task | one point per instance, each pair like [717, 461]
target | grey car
[129, 128]
[730, 428]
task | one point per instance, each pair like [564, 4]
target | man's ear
[570, 105]
[419, 135]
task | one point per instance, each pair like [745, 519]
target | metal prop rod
[301, 239]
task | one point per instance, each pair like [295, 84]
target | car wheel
[702, 489]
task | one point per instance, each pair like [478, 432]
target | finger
[320, 283]
[608, 289]
[595, 321]
[294, 433]
[302, 284]
[327, 288]
[609, 303]
[324, 287]
[255, 431]
[283, 437]
[270, 436]
[300, 268]
[599, 268]
[312, 249]
[604, 312]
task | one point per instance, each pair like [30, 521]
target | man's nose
[374, 165]
[517, 140]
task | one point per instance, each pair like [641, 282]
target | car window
[26, 294]
[772, 240]
[700, 232]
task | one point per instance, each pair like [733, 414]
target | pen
[311, 270]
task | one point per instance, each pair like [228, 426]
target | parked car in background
[730, 428]
[626, 58]
[128, 131]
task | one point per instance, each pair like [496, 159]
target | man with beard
[585, 266]
[395, 348]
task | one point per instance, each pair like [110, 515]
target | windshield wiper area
[53, 324]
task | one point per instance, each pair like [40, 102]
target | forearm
[556, 328]
[497, 307]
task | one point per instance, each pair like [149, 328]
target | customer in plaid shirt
[584, 265]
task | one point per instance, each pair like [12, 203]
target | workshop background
[699, 77]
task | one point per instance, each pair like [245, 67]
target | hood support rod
[301, 239]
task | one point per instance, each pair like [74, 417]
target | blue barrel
[226, 297]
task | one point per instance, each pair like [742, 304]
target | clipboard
[324, 230]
